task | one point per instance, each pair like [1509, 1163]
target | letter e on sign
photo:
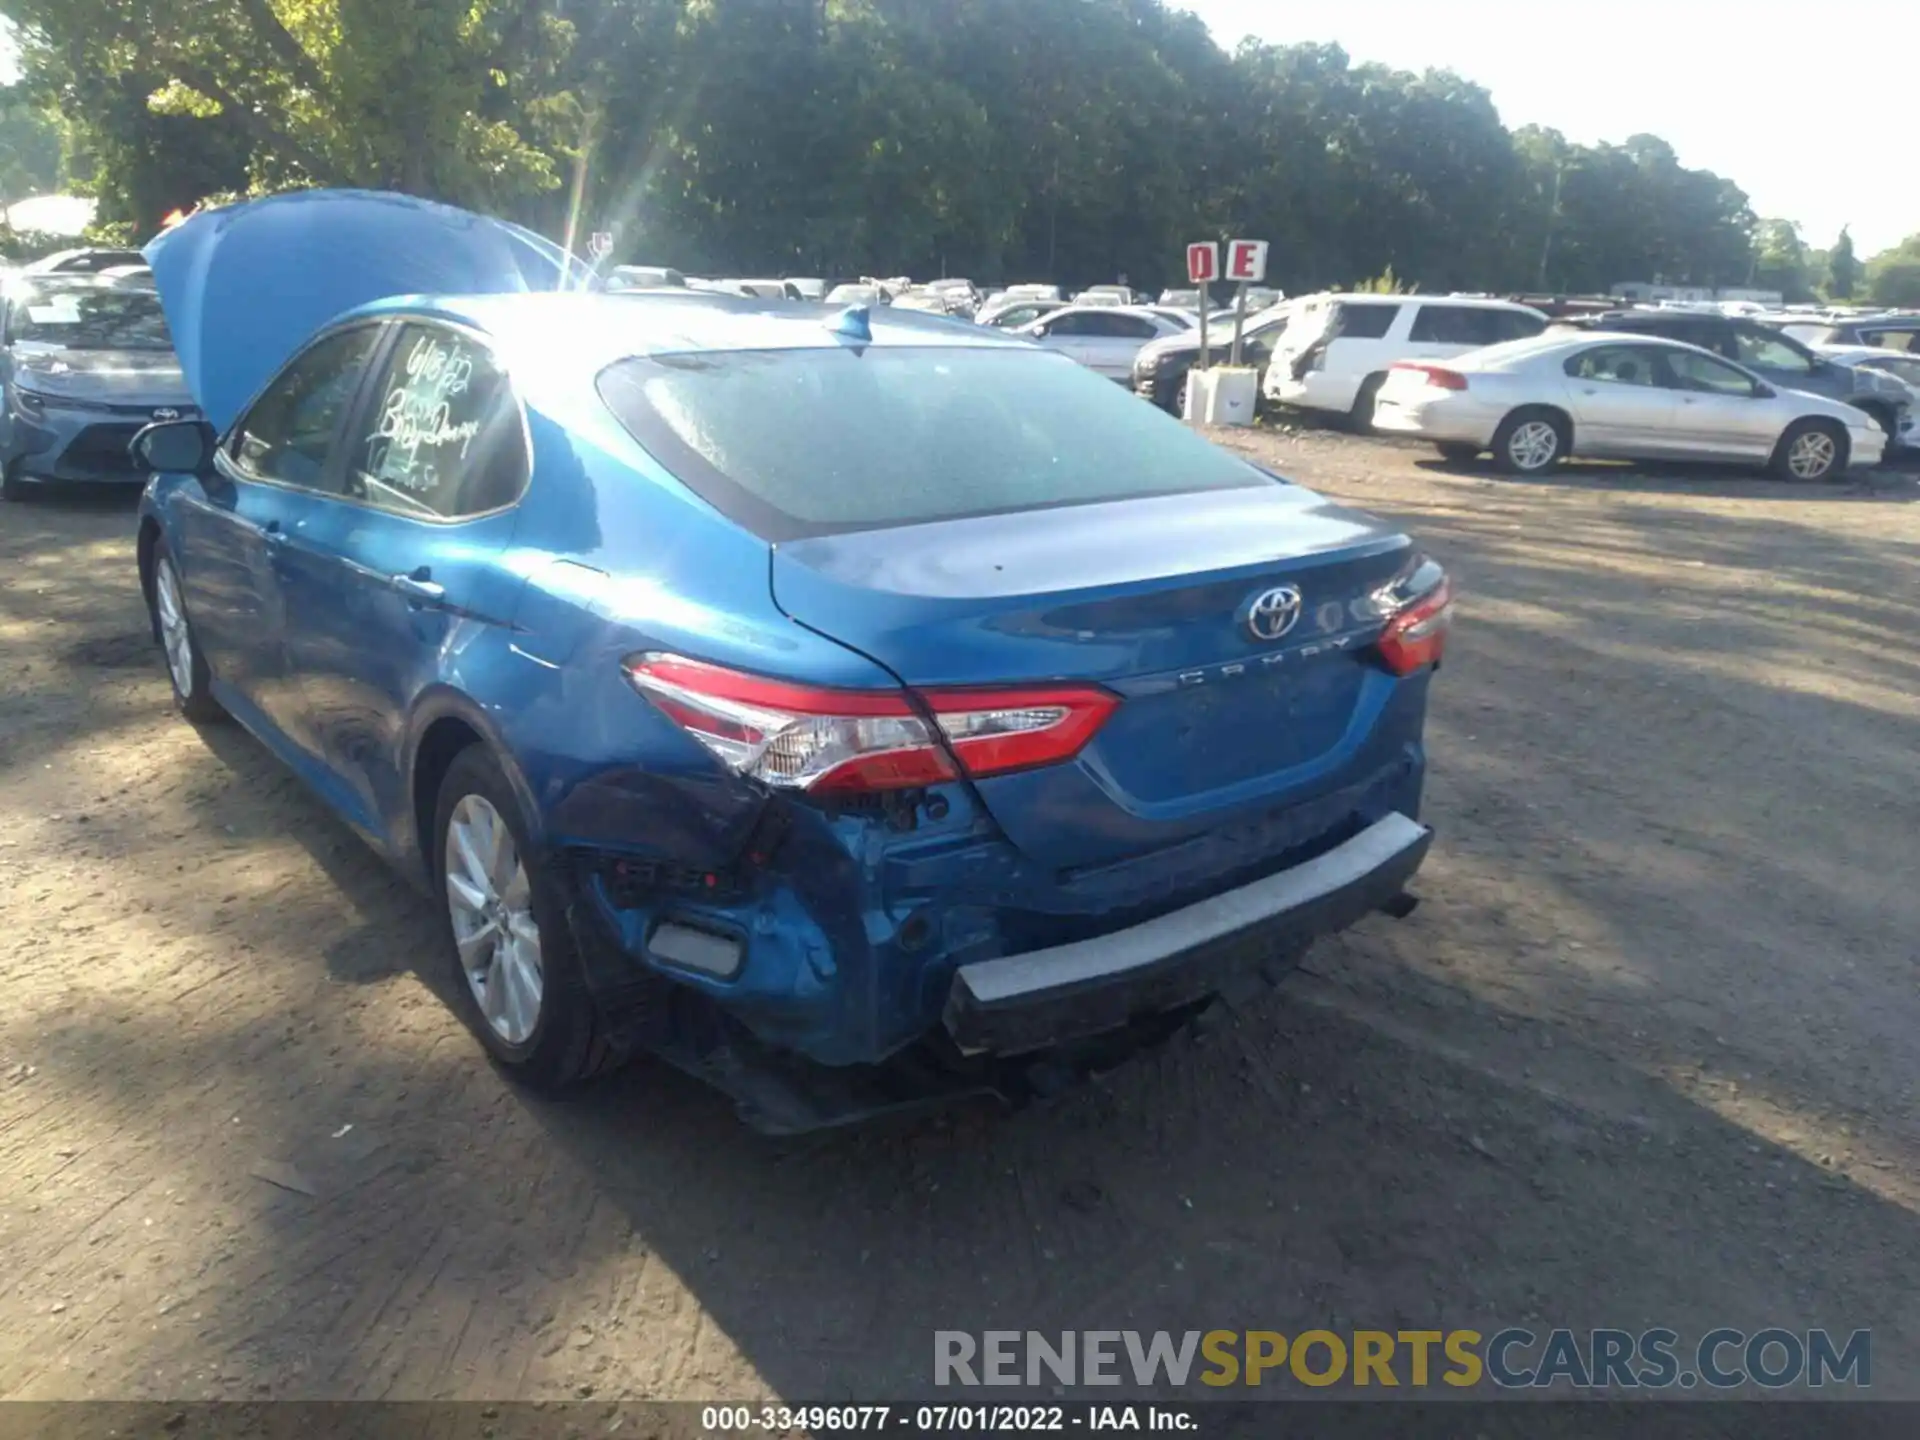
[1203, 263]
[1247, 260]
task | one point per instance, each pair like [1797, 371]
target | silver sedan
[1535, 402]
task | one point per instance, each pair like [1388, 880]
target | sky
[1817, 123]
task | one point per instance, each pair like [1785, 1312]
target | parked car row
[1476, 374]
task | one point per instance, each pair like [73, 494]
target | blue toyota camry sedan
[854, 709]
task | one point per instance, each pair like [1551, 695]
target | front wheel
[1530, 442]
[186, 666]
[1810, 451]
[518, 978]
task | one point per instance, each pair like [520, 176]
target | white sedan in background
[1615, 395]
[1104, 338]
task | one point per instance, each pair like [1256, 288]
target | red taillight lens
[1437, 376]
[1417, 634]
[802, 737]
[994, 731]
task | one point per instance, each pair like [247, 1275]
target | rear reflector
[691, 949]
[802, 737]
[1436, 375]
[1417, 634]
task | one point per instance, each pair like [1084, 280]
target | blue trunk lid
[1151, 598]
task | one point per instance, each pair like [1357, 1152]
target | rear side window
[791, 443]
[1364, 322]
[444, 438]
[1471, 325]
[1516, 325]
[1620, 364]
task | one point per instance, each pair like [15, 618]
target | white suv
[1337, 348]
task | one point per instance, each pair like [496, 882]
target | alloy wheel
[1533, 445]
[490, 901]
[175, 638]
[1811, 455]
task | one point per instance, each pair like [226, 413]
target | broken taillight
[820, 740]
[1416, 634]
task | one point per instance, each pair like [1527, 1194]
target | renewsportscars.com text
[1599, 1359]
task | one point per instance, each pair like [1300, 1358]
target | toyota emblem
[1273, 612]
[166, 412]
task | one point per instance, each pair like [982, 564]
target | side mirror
[1763, 392]
[175, 446]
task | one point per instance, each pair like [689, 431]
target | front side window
[444, 438]
[1702, 373]
[1768, 352]
[1615, 364]
[791, 443]
[88, 317]
[289, 434]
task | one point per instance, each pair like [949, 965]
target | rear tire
[1530, 442]
[517, 977]
[1360, 418]
[1458, 454]
[1811, 451]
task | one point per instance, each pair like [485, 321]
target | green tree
[447, 98]
[1780, 260]
[1893, 276]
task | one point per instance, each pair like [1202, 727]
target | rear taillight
[1437, 376]
[1416, 635]
[801, 737]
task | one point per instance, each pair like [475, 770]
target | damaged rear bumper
[1023, 1003]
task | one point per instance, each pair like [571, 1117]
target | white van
[1336, 350]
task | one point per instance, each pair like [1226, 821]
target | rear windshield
[791, 443]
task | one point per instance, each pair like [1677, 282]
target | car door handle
[418, 587]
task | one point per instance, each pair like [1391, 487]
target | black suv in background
[1779, 359]
[1160, 369]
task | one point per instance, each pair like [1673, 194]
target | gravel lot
[1648, 1054]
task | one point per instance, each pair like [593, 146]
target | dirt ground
[1648, 1054]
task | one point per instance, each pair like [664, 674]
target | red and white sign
[1247, 260]
[1203, 263]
